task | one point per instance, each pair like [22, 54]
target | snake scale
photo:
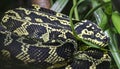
[41, 36]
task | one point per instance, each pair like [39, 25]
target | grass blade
[59, 5]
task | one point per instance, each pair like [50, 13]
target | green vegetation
[103, 13]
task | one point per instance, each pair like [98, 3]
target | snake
[42, 36]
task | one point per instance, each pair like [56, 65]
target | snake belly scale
[38, 35]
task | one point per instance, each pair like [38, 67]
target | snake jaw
[90, 32]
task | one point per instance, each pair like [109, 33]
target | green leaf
[59, 5]
[116, 21]
[113, 46]
[108, 7]
[100, 16]
[95, 8]
[103, 22]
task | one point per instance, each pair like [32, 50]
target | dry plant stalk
[42, 3]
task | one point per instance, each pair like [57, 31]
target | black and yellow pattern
[39, 35]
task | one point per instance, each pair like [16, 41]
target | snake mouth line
[94, 42]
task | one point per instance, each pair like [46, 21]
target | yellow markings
[24, 57]
[21, 31]
[25, 48]
[40, 14]
[62, 35]
[86, 32]
[15, 13]
[64, 22]
[8, 39]
[25, 24]
[68, 67]
[62, 31]
[106, 57]
[45, 37]
[93, 66]
[27, 12]
[5, 18]
[53, 57]
[37, 7]
[93, 28]
[59, 15]
[101, 31]
[5, 53]
[89, 25]
[95, 41]
[100, 36]
[84, 20]
[78, 24]
[53, 18]
[53, 40]
[38, 20]
[93, 60]
[28, 18]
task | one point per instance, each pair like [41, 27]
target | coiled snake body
[38, 35]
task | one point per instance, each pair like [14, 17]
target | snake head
[89, 31]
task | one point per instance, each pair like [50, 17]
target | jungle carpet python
[41, 36]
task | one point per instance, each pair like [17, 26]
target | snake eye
[86, 31]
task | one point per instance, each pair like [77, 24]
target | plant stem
[75, 10]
